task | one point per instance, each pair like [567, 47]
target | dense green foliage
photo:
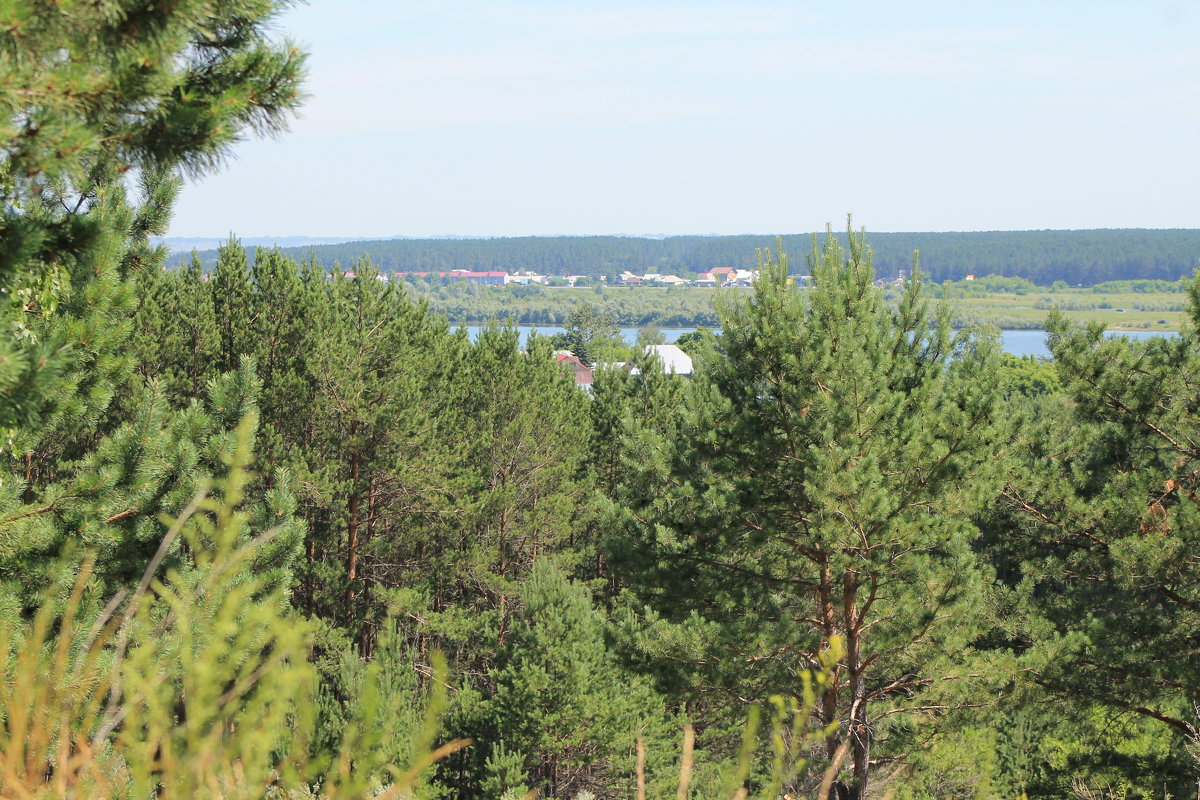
[271, 532]
[845, 490]
[93, 91]
[820, 487]
[1077, 257]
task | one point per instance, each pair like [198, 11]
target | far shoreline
[503, 323]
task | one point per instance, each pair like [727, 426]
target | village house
[568, 361]
[726, 276]
[673, 359]
[721, 275]
[526, 278]
[490, 278]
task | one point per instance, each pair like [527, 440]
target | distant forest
[1077, 257]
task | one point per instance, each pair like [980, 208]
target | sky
[660, 117]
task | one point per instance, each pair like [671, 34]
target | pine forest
[272, 529]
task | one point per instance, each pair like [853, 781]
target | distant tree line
[1083, 257]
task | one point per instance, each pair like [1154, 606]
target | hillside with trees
[268, 533]
[1083, 257]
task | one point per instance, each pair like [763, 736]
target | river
[1019, 343]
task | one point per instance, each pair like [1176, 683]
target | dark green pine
[818, 495]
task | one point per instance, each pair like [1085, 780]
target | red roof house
[569, 361]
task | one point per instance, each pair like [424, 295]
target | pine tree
[821, 491]
[525, 491]
[379, 363]
[235, 313]
[591, 335]
[198, 681]
[280, 334]
[91, 94]
[174, 340]
[1099, 525]
[564, 715]
[94, 91]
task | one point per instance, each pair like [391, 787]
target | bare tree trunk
[829, 698]
[28, 495]
[859, 732]
[685, 768]
[310, 588]
[641, 768]
[352, 529]
[366, 634]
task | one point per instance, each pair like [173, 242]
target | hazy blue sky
[514, 118]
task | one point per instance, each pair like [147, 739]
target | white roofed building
[672, 358]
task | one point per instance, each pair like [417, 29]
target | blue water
[1033, 343]
[1019, 343]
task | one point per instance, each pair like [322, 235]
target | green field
[1125, 311]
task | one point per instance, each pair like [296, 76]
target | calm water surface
[1019, 343]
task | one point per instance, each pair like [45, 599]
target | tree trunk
[858, 730]
[829, 699]
[309, 585]
[28, 495]
[366, 635]
[352, 529]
